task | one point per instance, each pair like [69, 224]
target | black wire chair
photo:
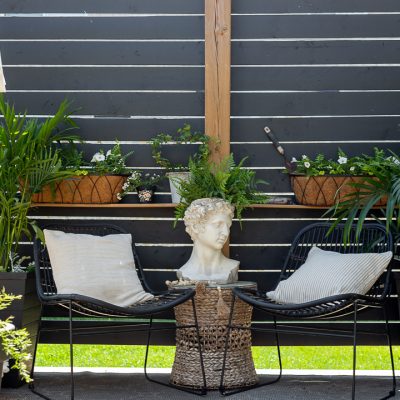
[78, 305]
[373, 238]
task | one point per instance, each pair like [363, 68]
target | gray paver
[95, 386]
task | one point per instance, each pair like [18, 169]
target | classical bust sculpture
[208, 222]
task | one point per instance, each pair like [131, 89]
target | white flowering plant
[139, 179]
[14, 342]
[111, 161]
[342, 165]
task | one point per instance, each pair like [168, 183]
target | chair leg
[71, 353]
[392, 393]
[353, 387]
[200, 392]
[278, 348]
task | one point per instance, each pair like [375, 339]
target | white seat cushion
[101, 267]
[328, 273]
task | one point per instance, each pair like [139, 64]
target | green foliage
[110, 162]
[226, 180]
[182, 136]
[359, 165]
[383, 184]
[14, 342]
[29, 160]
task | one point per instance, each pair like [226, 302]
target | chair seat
[92, 307]
[327, 307]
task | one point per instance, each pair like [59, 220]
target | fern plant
[225, 180]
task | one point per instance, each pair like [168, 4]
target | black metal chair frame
[373, 238]
[93, 308]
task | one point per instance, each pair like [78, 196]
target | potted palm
[177, 171]
[28, 161]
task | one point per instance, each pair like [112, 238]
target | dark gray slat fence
[318, 78]
[182, 78]
[114, 104]
[104, 53]
[315, 52]
[107, 78]
[311, 26]
[102, 6]
[191, 27]
[301, 129]
[298, 6]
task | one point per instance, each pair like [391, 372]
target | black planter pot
[146, 194]
[26, 313]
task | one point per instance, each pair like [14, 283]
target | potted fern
[226, 180]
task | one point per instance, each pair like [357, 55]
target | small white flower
[125, 186]
[342, 160]
[352, 168]
[307, 164]
[119, 197]
[304, 157]
[108, 153]
[98, 157]
[293, 159]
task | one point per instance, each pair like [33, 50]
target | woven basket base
[239, 369]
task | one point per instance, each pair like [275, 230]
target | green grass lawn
[302, 357]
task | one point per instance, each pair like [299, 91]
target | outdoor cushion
[101, 267]
[328, 273]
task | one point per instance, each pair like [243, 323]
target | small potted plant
[325, 182]
[177, 171]
[144, 183]
[13, 342]
[98, 181]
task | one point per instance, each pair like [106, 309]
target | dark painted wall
[321, 74]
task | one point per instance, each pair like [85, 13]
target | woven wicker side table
[240, 371]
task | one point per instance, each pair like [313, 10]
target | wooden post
[218, 79]
[218, 75]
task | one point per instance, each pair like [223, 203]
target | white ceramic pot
[174, 181]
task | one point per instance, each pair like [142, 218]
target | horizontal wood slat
[298, 6]
[114, 104]
[102, 6]
[308, 26]
[296, 52]
[102, 53]
[103, 28]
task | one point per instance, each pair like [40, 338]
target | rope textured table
[212, 306]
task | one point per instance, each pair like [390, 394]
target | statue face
[215, 231]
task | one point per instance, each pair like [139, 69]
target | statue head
[213, 215]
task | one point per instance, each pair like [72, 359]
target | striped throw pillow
[328, 273]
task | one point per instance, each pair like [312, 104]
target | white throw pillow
[101, 267]
[328, 273]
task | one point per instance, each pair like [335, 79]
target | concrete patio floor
[124, 386]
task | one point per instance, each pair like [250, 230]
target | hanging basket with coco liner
[321, 187]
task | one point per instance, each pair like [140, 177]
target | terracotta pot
[84, 189]
[324, 190]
